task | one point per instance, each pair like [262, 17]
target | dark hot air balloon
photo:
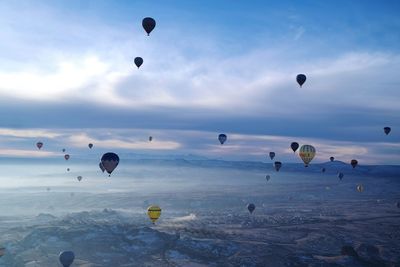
[340, 175]
[331, 159]
[323, 169]
[251, 207]
[387, 130]
[272, 155]
[79, 178]
[39, 145]
[301, 79]
[148, 24]
[90, 145]
[150, 138]
[277, 165]
[101, 167]
[66, 157]
[66, 258]
[267, 177]
[353, 163]
[110, 161]
[222, 138]
[138, 61]
[294, 146]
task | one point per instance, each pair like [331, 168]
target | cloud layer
[69, 68]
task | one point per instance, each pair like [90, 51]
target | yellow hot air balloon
[154, 212]
[307, 153]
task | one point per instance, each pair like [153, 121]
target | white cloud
[9, 152]
[28, 133]
[81, 140]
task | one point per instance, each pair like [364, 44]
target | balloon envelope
[138, 61]
[331, 159]
[63, 150]
[277, 165]
[110, 161]
[79, 178]
[154, 212]
[294, 146]
[90, 145]
[353, 163]
[66, 258]
[39, 145]
[150, 138]
[66, 157]
[222, 138]
[251, 207]
[272, 155]
[67, 169]
[267, 177]
[301, 79]
[307, 153]
[101, 167]
[148, 24]
[387, 130]
[340, 175]
[360, 188]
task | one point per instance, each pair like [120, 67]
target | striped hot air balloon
[307, 153]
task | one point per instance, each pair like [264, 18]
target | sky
[67, 78]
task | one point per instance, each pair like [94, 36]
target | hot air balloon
[148, 24]
[63, 150]
[154, 212]
[307, 153]
[332, 159]
[272, 155]
[101, 167]
[277, 165]
[387, 130]
[267, 177]
[294, 146]
[354, 163]
[110, 161]
[66, 258]
[340, 175]
[301, 79]
[222, 138]
[39, 145]
[138, 61]
[323, 169]
[79, 178]
[67, 169]
[90, 145]
[251, 207]
[360, 188]
[150, 138]
[66, 157]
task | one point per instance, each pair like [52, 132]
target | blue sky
[67, 77]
